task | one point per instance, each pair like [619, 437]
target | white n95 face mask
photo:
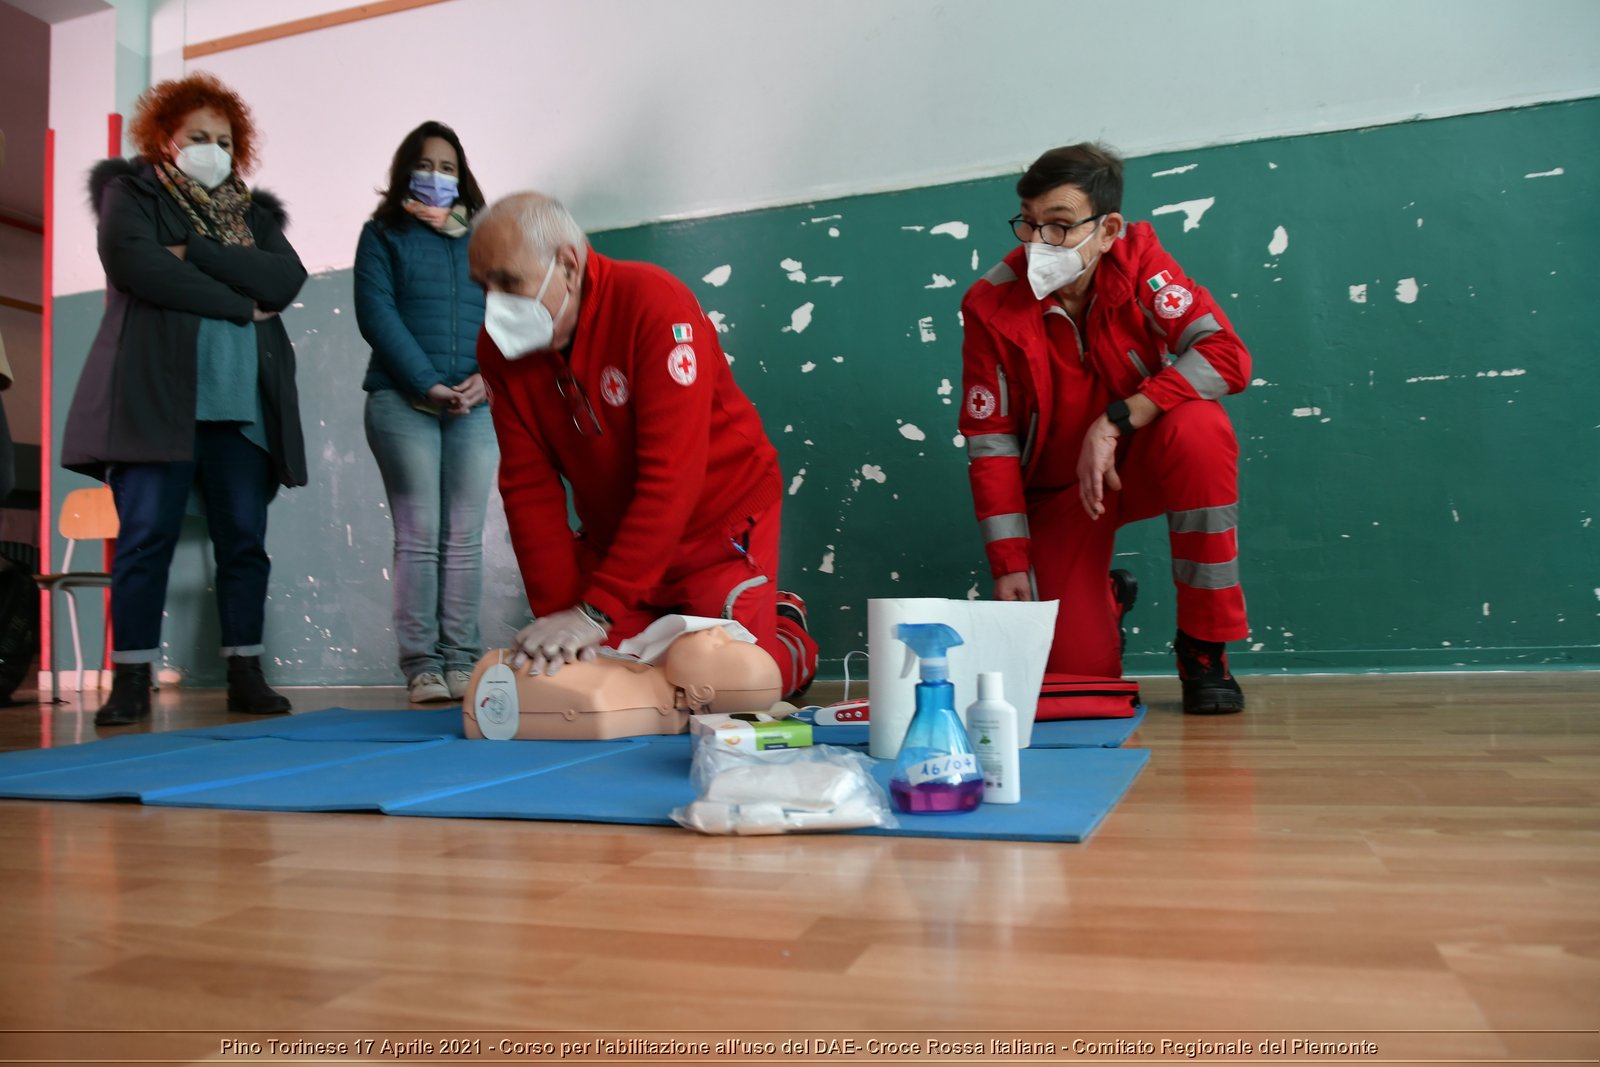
[208, 164]
[1053, 267]
[522, 324]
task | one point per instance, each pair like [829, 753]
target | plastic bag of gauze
[780, 791]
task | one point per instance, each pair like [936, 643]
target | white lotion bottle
[992, 726]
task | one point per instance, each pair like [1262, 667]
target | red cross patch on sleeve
[682, 366]
[1172, 301]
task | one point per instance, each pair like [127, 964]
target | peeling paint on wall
[1406, 291]
[958, 230]
[1174, 170]
[1279, 243]
[799, 318]
[1546, 173]
[718, 275]
[1192, 210]
[1358, 294]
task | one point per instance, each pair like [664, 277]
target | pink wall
[24, 105]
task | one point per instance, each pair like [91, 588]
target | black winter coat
[135, 402]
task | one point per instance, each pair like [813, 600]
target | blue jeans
[437, 470]
[236, 483]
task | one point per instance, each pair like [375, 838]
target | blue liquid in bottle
[937, 771]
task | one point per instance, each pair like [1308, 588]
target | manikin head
[717, 673]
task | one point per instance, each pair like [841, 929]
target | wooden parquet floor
[1415, 857]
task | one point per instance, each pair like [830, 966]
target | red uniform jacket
[682, 455]
[1150, 329]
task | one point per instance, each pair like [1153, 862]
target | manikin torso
[703, 671]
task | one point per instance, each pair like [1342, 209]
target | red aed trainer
[1083, 696]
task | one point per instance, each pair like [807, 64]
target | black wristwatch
[1121, 417]
[596, 616]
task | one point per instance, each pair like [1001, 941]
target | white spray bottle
[992, 725]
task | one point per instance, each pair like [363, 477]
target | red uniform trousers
[1185, 464]
[730, 575]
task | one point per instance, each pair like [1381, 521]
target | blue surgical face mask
[434, 188]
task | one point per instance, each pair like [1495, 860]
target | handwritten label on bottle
[942, 768]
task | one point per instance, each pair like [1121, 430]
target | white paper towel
[1006, 636]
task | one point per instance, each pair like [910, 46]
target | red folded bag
[1082, 696]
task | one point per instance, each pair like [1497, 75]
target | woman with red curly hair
[190, 381]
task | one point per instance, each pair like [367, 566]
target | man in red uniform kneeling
[606, 374]
[1092, 371]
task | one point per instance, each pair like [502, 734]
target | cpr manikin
[706, 670]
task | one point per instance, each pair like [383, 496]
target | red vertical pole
[113, 150]
[47, 545]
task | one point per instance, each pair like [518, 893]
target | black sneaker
[793, 606]
[1124, 590]
[1209, 688]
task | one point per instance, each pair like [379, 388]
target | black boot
[1209, 687]
[248, 691]
[1124, 590]
[130, 696]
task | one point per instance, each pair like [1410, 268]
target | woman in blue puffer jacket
[426, 418]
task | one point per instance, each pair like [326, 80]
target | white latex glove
[562, 637]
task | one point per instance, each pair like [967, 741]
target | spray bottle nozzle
[928, 641]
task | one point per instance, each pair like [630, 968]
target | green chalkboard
[1419, 463]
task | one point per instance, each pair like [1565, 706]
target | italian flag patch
[1162, 279]
[682, 332]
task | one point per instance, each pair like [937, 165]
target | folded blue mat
[417, 763]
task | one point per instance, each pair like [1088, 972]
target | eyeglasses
[1054, 233]
[577, 402]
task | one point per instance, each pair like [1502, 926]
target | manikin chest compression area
[678, 667]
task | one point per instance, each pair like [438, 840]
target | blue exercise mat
[410, 763]
[343, 724]
[1065, 794]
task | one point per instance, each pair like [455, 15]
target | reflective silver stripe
[1204, 520]
[1000, 273]
[992, 444]
[738, 591]
[1206, 575]
[1138, 364]
[1155, 323]
[1000, 527]
[1198, 372]
[1005, 394]
[1198, 330]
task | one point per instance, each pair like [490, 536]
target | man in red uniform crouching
[1092, 371]
[607, 374]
